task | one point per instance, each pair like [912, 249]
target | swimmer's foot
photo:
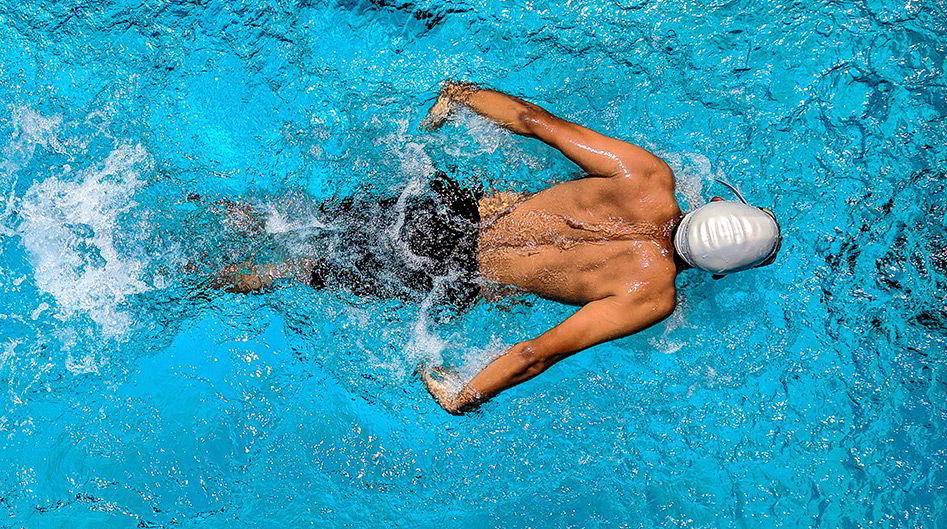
[237, 215]
[242, 278]
[240, 215]
[245, 277]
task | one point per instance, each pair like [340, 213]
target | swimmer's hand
[437, 115]
[452, 92]
[437, 382]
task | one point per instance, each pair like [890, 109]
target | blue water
[806, 394]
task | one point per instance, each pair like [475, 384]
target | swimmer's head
[725, 236]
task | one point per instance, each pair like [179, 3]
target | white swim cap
[726, 236]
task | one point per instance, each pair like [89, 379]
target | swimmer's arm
[595, 153]
[595, 323]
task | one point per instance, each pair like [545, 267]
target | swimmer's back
[582, 240]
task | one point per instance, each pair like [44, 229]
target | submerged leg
[246, 277]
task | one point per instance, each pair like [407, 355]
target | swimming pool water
[807, 394]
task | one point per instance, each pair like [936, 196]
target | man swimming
[612, 242]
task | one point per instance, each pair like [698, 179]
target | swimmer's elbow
[531, 361]
[530, 121]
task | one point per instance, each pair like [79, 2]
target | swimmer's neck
[679, 261]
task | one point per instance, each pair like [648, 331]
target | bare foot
[239, 215]
[242, 278]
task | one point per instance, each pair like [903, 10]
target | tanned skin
[601, 242]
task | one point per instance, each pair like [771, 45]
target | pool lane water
[806, 394]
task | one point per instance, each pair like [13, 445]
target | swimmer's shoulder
[653, 282]
[647, 197]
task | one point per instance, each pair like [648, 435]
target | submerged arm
[595, 323]
[595, 153]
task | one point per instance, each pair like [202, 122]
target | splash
[87, 363]
[31, 130]
[426, 347]
[666, 342]
[69, 230]
[487, 138]
[9, 351]
[476, 359]
[691, 170]
[414, 163]
[278, 222]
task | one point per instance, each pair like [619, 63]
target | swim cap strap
[734, 189]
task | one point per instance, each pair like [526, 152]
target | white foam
[9, 351]
[277, 222]
[476, 359]
[417, 166]
[68, 228]
[39, 310]
[31, 130]
[677, 320]
[489, 135]
[86, 364]
[7, 207]
[691, 170]
[488, 138]
[426, 347]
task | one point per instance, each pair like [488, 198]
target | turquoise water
[807, 394]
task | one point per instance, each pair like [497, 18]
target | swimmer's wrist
[459, 91]
[465, 400]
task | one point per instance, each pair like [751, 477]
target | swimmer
[611, 243]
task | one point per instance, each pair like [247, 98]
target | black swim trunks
[405, 248]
